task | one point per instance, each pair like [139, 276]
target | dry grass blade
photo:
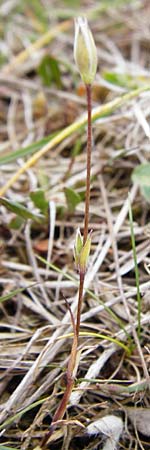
[42, 156]
[100, 112]
[37, 45]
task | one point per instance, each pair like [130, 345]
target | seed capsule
[85, 53]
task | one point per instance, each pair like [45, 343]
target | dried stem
[59, 414]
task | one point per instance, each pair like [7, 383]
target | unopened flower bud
[81, 252]
[78, 247]
[84, 255]
[85, 53]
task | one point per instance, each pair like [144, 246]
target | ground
[43, 127]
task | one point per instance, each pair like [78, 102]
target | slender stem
[81, 286]
[88, 173]
[87, 199]
[60, 411]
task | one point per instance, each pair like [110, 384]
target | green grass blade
[3, 447]
[98, 336]
[11, 294]
[135, 268]
[21, 412]
[29, 150]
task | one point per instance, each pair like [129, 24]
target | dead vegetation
[42, 183]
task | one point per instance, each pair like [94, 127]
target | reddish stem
[88, 167]
[81, 286]
[59, 414]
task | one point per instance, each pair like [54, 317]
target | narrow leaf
[72, 198]
[49, 71]
[39, 200]
[3, 447]
[15, 292]
[22, 152]
[19, 210]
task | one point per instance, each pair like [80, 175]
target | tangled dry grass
[37, 272]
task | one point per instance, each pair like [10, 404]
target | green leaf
[20, 153]
[120, 79]
[145, 190]
[61, 210]
[141, 175]
[49, 71]
[19, 210]
[76, 149]
[16, 223]
[72, 199]
[3, 447]
[39, 200]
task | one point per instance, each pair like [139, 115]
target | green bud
[85, 53]
[78, 247]
[81, 252]
[84, 255]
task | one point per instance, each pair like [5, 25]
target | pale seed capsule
[85, 53]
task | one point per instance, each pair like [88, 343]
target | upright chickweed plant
[85, 56]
